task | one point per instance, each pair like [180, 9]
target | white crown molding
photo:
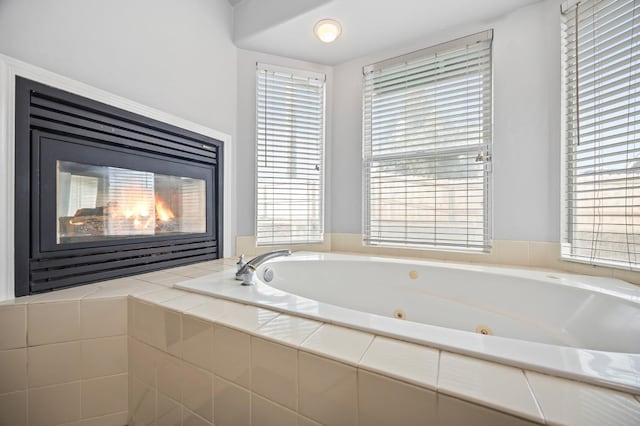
[9, 69]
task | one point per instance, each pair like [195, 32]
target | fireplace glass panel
[102, 203]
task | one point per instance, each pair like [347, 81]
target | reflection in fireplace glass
[99, 203]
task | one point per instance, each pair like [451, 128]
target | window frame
[298, 73]
[486, 144]
[570, 12]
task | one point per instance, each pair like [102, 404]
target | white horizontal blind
[289, 156]
[427, 146]
[602, 78]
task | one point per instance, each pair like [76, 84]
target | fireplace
[104, 193]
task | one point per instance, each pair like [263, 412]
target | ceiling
[285, 27]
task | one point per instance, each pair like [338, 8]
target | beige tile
[169, 411]
[629, 276]
[170, 376]
[303, 421]
[103, 317]
[104, 357]
[213, 266]
[16, 301]
[232, 355]
[186, 302]
[383, 401]
[405, 361]
[171, 332]
[232, 404]
[142, 403]
[131, 288]
[274, 372]
[570, 402]
[192, 419]
[346, 242]
[266, 413]
[161, 295]
[327, 390]
[247, 318]
[161, 277]
[13, 370]
[13, 409]
[130, 320]
[214, 309]
[54, 364]
[143, 361]
[454, 412]
[13, 326]
[67, 295]
[584, 269]
[197, 391]
[157, 327]
[123, 282]
[53, 405]
[288, 330]
[340, 343]
[146, 320]
[105, 395]
[191, 271]
[505, 252]
[116, 419]
[197, 342]
[544, 255]
[227, 261]
[53, 322]
[494, 385]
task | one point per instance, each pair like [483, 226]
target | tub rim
[613, 370]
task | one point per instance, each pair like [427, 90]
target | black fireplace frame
[46, 116]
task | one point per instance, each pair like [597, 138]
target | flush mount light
[327, 30]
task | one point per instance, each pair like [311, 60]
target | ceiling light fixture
[327, 30]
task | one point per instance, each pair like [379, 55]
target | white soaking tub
[567, 325]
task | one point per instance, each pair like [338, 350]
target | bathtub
[581, 327]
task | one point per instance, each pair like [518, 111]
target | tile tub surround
[272, 368]
[64, 355]
[257, 367]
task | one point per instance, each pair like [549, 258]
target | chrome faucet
[246, 271]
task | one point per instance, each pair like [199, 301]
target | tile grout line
[373, 338]
[438, 363]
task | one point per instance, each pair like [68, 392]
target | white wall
[174, 56]
[182, 60]
[526, 157]
[246, 133]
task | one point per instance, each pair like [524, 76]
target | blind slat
[427, 138]
[602, 79]
[289, 157]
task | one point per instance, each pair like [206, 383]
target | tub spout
[246, 272]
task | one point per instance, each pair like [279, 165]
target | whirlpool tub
[568, 325]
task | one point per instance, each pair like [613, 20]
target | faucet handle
[241, 262]
[248, 275]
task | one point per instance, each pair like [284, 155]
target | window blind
[602, 170]
[427, 147]
[289, 156]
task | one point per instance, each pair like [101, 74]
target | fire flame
[141, 215]
[162, 212]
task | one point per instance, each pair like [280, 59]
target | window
[602, 147]
[289, 156]
[427, 147]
